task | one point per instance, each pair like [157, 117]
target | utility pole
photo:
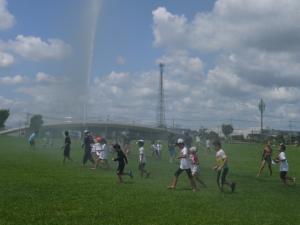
[262, 108]
[161, 105]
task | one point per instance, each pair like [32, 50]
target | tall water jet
[71, 94]
[92, 20]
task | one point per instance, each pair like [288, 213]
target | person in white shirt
[142, 159]
[154, 149]
[185, 165]
[284, 166]
[222, 168]
[158, 149]
[101, 151]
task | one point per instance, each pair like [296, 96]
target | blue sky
[124, 28]
[221, 57]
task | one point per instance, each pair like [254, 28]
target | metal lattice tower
[161, 104]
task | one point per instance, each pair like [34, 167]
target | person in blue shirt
[31, 139]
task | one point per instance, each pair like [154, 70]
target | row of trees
[227, 129]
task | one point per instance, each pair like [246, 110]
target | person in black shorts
[185, 165]
[67, 147]
[122, 160]
[87, 145]
[266, 159]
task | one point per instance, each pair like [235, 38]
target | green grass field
[36, 188]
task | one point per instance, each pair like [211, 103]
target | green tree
[227, 129]
[212, 135]
[4, 114]
[36, 123]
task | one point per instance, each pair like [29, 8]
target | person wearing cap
[195, 165]
[122, 160]
[67, 147]
[284, 166]
[142, 159]
[185, 165]
[222, 168]
[88, 141]
[95, 148]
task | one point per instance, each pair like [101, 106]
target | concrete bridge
[107, 129]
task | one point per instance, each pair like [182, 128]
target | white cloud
[182, 66]
[283, 94]
[5, 103]
[11, 80]
[231, 24]
[7, 20]
[169, 30]
[43, 77]
[252, 51]
[34, 48]
[6, 59]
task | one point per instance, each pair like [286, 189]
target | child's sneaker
[130, 174]
[233, 187]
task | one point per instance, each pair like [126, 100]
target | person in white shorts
[284, 166]
[142, 159]
[195, 165]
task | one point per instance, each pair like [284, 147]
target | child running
[194, 165]
[67, 147]
[101, 152]
[185, 165]
[266, 159]
[122, 160]
[158, 149]
[284, 166]
[31, 140]
[88, 141]
[142, 159]
[222, 167]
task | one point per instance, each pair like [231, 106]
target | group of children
[189, 163]
[96, 150]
